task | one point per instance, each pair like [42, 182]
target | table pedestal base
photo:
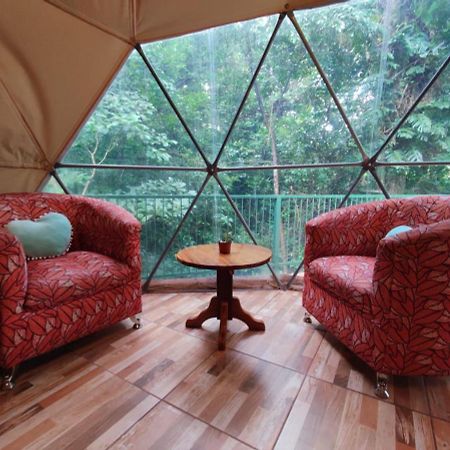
[225, 307]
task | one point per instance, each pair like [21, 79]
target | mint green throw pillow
[46, 237]
[399, 229]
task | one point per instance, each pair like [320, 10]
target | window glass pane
[378, 56]
[324, 181]
[278, 221]
[425, 136]
[159, 202]
[368, 187]
[289, 117]
[95, 182]
[207, 74]
[211, 217]
[416, 180]
[52, 187]
[133, 124]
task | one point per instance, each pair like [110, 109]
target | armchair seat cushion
[347, 277]
[73, 276]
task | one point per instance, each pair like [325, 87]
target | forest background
[378, 56]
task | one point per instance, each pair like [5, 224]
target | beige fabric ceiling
[58, 56]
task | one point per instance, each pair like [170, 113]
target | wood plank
[97, 391]
[438, 391]
[166, 427]
[255, 394]
[79, 413]
[157, 360]
[423, 431]
[327, 416]
[42, 381]
[442, 433]
[410, 392]
[113, 433]
[385, 437]
[404, 427]
[27, 439]
[287, 340]
[338, 365]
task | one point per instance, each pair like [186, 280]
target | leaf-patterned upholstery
[76, 275]
[349, 277]
[47, 303]
[386, 299]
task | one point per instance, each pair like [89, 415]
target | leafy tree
[378, 55]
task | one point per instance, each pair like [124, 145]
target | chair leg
[137, 323]
[307, 318]
[381, 389]
[7, 381]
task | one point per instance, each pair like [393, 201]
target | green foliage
[378, 55]
[227, 236]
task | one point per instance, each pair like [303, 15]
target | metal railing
[277, 221]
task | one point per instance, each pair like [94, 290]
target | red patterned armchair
[386, 298]
[47, 303]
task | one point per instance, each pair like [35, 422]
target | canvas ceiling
[57, 57]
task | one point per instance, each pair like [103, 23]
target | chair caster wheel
[7, 382]
[137, 323]
[8, 385]
[307, 318]
[381, 393]
[381, 389]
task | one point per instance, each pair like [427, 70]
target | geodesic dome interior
[253, 126]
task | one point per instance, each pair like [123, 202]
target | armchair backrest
[34, 205]
[98, 226]
[358, 229]
[415, 211]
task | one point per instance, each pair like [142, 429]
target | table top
[207, 256]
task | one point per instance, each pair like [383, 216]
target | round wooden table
[223, 305]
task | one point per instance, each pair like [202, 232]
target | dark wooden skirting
[209, 283]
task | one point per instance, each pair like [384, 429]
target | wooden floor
[167, 387]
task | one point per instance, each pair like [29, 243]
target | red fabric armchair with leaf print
[386, 298]
[47, 303]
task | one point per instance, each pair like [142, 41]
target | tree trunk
[93, 154]
[268, 122]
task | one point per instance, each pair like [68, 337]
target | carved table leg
[211, 311]
[238, 312]
[225, 307]
[223, 325]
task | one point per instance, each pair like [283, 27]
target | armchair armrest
[13, 275]
[108, 229]
[354, 230]
[412, 293]
[413, 267]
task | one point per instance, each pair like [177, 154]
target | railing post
[276, 233]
